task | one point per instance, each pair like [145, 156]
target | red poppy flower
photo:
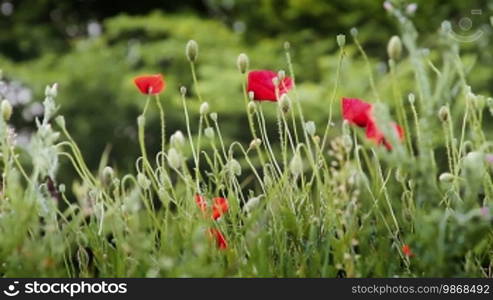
[260, 83]
[407, 250]
[360, 113]
[373, 133]
[201, 203]
[356, 111]
[219, 237]
[150, 84]
[219, 207]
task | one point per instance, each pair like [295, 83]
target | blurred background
[93, 49]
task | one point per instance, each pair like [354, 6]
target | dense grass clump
[355, 196]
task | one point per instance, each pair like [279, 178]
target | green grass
[304, 200]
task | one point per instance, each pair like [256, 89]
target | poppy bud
[60, 120]
[394, 48]
[285, 103]
[341, 40]
[61, 188]
[141, 120]
[446, 177]
[242, 63]
[411, 98]
[354, 32]
[6, 108]
[411, 8]
[177, 139]
[209, 133]
[296, 164]
[108, 174]
[255, 143]
[183, 91]
[192, 51]
[234, 167]
[213, 116]
[204, 108]
[174, 158]
[310, 127]
[316, 139]
[287, 45]
[252, 107]
[143, 182]
[444, 114]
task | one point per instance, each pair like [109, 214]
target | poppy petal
[356, 111]
[150, 84]
[219, 207]
[260, 83]
[221, 242]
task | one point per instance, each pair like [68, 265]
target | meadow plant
[360, 196]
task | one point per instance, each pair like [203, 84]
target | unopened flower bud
[143, 182]
[183, 90]
[108, 174]
[411, 8]
[213, 116]
[444, 114]
[242, 63]
[387, 5]
[209, 133]
[234, 167]
[341, 40]
[411, 98]
[61, 188]
[354, 32]
[174, 158]
[60, 120]
[6, 108]
[394, 48]
[287, 45]
[251, 204]
[296, 164]
[310, 127]
[177, 139]
[446, 177]
[192, 51]
[204, 108]
[255, 143]
[141, 120]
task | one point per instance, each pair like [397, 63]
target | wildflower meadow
[382, 169]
